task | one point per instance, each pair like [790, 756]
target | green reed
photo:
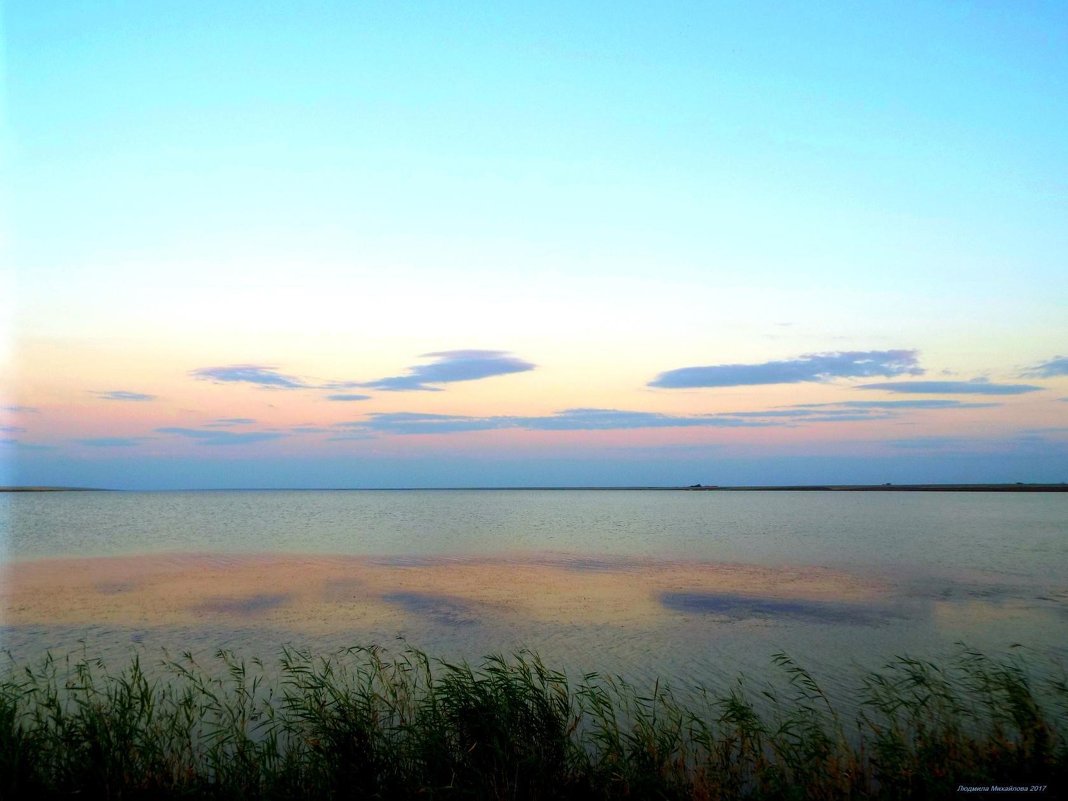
[364, 724]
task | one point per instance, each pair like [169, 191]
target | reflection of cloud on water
[963, 618]
[591, 564]
[247, 606]
[441, 609]
[995, 595]
[114, 587]
[325, 593]
[684, 619]
[994, 610]
[744, 607]
[1059, 597]
[416, 561]
[949, 590]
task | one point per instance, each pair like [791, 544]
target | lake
[694, 587]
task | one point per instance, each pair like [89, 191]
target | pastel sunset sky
[319, 244]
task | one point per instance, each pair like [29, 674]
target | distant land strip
[1017, 487]
[52, 489]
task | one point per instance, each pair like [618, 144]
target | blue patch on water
[596, 565]
[114, 587]
[411, 560]
[741, 607]
[250, 605]
[440, 609]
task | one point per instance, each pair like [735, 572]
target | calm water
[988, 569]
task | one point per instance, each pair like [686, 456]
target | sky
[324, 244]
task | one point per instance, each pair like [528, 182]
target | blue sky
[324, 217]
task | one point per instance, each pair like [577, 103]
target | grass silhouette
[365, 723]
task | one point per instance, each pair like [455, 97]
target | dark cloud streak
[566, 420]
[1057, 366]
[448, 367]
[809, 367]
[973, 387]
[586, 419]
[261, 375]
[207, 436]
[933, 403]
[452, 366]
[124, 395]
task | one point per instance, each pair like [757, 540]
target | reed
[365, 724]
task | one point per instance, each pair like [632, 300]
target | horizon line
[1018, 486]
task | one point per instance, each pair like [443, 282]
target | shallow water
[693, 586]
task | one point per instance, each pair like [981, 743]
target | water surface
[696, 586]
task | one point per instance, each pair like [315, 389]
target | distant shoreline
[893, 488]
[54, 489]
[1018, 487]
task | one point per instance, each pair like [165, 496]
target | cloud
[340, 385]
[809, 367]
[448, 367]
[606, 419]
[931, 403]
[416, 423]
[216, 437]
[1057, 366]
[841, 411]
[813, 415]
[586, 419]
[977, 386]
[226, 422]
[12, 430]
[451, 366]
[111, 442]
[19, 409]
[261, 375]
[566, 420]
[124, 395]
